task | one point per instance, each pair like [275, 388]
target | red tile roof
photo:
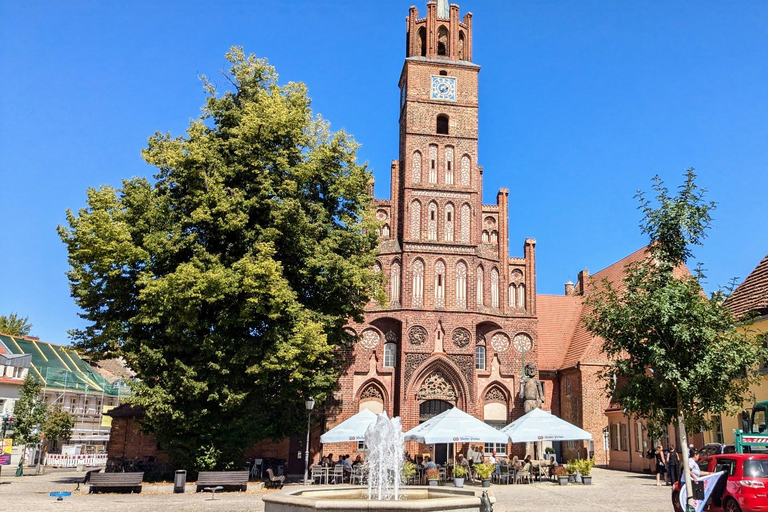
[752, 295]
[558, 316]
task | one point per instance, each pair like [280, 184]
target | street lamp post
[310, 404]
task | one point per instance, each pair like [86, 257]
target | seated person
[358, 460]
[346, 464]
[428, 463]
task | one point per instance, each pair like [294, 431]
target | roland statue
[531, 390]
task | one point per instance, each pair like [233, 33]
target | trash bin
[179, 481]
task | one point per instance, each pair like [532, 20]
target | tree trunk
[684, 447]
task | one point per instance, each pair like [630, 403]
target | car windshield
[756, 468]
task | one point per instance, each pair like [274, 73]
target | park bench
[87, 478]
[116, 481]
[275, 482]
[228, 480]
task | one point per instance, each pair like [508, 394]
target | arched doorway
[431, 408]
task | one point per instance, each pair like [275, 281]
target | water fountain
[384, 462]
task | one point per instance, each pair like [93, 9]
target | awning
[539, 425]
[455, 426]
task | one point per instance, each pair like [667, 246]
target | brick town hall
[462, 317]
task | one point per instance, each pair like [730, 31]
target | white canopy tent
[455, 426]
[539, 425]
[351, 429]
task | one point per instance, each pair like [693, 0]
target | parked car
[744, 490]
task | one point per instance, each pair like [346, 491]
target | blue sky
[581, 103]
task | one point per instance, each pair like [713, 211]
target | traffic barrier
[57, 460]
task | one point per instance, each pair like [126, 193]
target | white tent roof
[539, 425]
[455, 426]
[351, 429]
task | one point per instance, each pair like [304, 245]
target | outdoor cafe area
[449, 434]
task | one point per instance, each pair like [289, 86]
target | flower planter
[572, 478]
[563, 480]
[434, 482]
[486, 482]
[458, 482]
[587, 480]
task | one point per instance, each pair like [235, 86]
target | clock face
[443, 88]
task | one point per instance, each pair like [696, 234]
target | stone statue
[531, 390]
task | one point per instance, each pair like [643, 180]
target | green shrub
[408, 469]
[485, 470]
[459, 471]
[572, 466]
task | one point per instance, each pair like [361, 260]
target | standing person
[660, 464]
[471, 461]
[478, 454]
[673, 466]
[667, 476]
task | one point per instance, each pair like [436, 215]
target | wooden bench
[116, 481]
[229, 480]
[87, 478]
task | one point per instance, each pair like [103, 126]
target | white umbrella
[539, 425]
[351, 429]
[455, 426]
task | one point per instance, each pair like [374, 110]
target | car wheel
[676, 501]
[731, 505]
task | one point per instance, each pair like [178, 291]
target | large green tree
[226, 281]
[675, 352]
[58, 424]
[15, 325]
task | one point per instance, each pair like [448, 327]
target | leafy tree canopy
[30, 412]
[58, 424]
[225, 283]
[675, 352]
[15, 325]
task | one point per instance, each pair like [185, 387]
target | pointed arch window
[465, 223]
[415, 220]
[464, 173]
[480, 357]
[416, 165]
[449, 218]
[418, 283]
[512, 296]
[461, 45]
[521, 296]
[494, 237]
[449, 165]
[433, 163]
[432, 222]
[461, 285]
[390, 355]
[443, 48]
[394, 283]
[422, 45]
[494, 288]
[440, 284]
[480, 294]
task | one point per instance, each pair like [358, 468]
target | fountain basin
[353, 499]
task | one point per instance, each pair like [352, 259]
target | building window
[394, 283]
[432, 163]
[461, 285]
[512, 296]
[361, 446]
[639, 427]
[623, 440]
[448, 229]
[567, 386]
[442, 124]
[480, 294]
[418, 283]
[390, 355]
[479, 357]
[448, 165]
[718, 422]
[494, 288]
[18, 372]
[442, 41]
[521, 296]
[440, 284]
[432, 223]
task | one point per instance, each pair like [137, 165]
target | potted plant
[572, 467]
[484, 471]
[585, 468]
[407, 470]
[561, 472]
[459, 472]
[433, 476]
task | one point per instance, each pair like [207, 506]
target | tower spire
[443, 11]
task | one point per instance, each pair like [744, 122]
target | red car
[745, 489]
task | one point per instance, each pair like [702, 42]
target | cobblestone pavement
[614, 491]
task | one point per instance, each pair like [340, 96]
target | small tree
[675, 353]
[30, 413]
[14, 325]
[59, 424]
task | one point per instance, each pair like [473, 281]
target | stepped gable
[751, 296]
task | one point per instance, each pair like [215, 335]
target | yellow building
[749, 303]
